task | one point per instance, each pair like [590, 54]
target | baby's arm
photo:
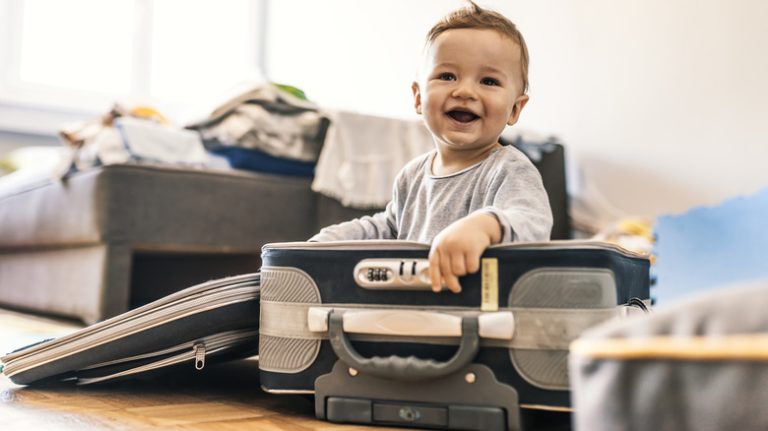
[456, 250]
[382, 225]
[377, 226]
[516, 208]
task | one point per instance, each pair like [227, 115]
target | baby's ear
[416, 97]
[517, 109]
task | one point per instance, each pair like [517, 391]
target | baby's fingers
[452, 282]
[458, 264]
[472, 260]
[434, 270]
[447, 271]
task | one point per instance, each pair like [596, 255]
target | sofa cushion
[160, 208]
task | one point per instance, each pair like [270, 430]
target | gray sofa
[116, 237]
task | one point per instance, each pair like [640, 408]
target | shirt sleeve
[520, 202]
[382, 225]
[378, 226]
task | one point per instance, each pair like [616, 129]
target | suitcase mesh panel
[544, 368]
[280, 354]
[557, 288]
[283, 284]
[286, 355]
[564, 288]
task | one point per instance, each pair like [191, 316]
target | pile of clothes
[269, 128]
[351, 157]
[128, 134]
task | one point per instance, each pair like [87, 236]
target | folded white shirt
[362, 155]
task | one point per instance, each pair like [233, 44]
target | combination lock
[405, 274]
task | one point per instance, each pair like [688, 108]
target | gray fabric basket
[701, 364]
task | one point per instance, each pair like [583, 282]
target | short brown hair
[473, 16]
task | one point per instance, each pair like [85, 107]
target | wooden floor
[222, 397]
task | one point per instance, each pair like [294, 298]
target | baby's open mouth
[462, 116]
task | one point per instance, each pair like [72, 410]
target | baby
[470, 191]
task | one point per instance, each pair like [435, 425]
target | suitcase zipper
[196, 351]
[199, 350]
[412, 245]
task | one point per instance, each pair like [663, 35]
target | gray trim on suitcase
[560, 288]
[286, 354]
[288, 284]
[543, 328]
[547, 329]
[281, 351]
[546, 369]
[564, 287]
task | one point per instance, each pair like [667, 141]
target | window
[82, 55]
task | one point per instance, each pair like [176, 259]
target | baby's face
[470, 88]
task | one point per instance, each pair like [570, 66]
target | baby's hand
[456, 250]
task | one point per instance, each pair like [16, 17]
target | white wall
[350, 54]
[663, 104]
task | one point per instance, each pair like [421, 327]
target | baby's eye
[445, 76]
[489, 81]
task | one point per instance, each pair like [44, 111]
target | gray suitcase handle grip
[398, 367]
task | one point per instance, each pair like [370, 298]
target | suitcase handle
[499, 325]
[398, 367]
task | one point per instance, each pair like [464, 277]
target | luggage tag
[489, 283]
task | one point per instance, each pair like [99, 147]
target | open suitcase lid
[218, 312]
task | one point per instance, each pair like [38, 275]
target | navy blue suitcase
[356, 323]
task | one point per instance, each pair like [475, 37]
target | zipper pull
[199, 350]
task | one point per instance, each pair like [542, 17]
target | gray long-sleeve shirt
[505, 184]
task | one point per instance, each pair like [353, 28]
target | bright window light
[201, 48]
[78, 44]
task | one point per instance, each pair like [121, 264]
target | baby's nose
[464, 90]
